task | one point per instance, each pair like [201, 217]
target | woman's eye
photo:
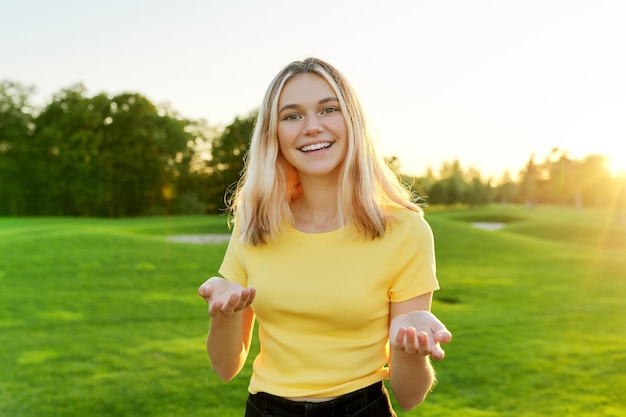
[329, 110]
[291, 116]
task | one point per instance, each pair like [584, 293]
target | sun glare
[617, 163]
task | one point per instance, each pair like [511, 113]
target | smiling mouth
[316, 147]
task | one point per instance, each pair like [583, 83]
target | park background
[122, 124]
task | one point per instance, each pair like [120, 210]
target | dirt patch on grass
[200, 239]
[488, 225]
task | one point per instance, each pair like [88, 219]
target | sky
[485, 83]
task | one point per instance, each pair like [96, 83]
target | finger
[247, 297]
[205, 290]
[237, 302]
[443, 336]
[411, 341]
[215, 308]
[423, 344]
[244, 298]
[436, 351]
[252, 292]
[398, 341]
[406, 340]
[230, 306]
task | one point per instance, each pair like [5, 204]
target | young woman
[332, 257]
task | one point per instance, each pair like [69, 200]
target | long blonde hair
[261, 201]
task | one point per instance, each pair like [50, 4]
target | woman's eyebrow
[296, 106]
[327, 99]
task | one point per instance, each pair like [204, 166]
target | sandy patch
[488, 225]
[200, 239]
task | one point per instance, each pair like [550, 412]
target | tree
[506, 190]
[108, 156]
[16, 127]
[478, 191]
[68, 143]
[227, 159]
[529, 182]
[451, 188]
[596, 185]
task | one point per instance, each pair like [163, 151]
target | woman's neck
[315, 211]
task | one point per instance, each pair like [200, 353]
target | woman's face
[312, 131]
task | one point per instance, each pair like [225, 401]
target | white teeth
[315, 147]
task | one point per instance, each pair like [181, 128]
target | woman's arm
[232, 321]
[414, 335]
[228, 342]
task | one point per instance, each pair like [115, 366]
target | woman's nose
[313, 125]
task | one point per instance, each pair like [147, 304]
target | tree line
[121, 155]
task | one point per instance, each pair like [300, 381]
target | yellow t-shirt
[322, 302]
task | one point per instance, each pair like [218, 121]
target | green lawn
[101, 317]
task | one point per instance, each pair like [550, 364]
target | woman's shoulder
[404, 218]
[405, 214]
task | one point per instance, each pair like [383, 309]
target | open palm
[419, 332]
[225, 297]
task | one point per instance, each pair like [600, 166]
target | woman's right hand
[225, 297]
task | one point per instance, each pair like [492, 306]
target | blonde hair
[261, 201]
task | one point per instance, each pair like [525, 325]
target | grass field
[101, 317]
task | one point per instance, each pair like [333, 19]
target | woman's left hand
[419, 333]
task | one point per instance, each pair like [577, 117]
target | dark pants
[372, 401]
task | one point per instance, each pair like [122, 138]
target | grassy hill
[101, 317]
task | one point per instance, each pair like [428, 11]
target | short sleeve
[415, 266]
[233, 267]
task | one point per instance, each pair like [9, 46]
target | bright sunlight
[617, 163]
